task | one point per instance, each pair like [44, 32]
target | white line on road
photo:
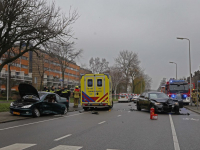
[101, 122]
[62, 137]
[176, 144]
[67, 147]
[119, 115]
[17, 146]
[39, 122]
[129, 111]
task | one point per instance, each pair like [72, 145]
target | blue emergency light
[173, 96]
[184, 96]
[171, 81]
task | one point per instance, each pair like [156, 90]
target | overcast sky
[147, 27]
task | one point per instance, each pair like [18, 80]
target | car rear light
[67, 100]
[105, 104]
[85, 104]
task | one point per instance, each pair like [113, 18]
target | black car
[37, 103]
[160, 101]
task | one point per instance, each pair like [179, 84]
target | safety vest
[52, 91]
[76, 94]
[65, 91]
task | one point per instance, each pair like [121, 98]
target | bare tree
[148, 81]
[97, 65]
[117, 77]
[65, 53]
[29, 25]
[127, 61]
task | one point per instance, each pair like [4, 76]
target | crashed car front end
[168, 106]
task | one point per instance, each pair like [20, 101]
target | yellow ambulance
[96, 91]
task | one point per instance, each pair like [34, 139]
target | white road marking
[191, 119]
[66, 147]
[39, 122]
[129, 111]
[101, 122]
[119, 115]
[17, 146]
[112, 149]
[62, 137]
[176, 144]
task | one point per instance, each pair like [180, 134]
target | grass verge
[4, 107]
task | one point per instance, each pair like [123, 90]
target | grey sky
[147, 27]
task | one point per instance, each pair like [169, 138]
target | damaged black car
[34, 103]
[159, 101]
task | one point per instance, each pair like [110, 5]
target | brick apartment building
[30, 68]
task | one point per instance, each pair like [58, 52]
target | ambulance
[96, 91]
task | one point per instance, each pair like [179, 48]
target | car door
[146, 101]
[141, 100]
[57, 108]
[46, 106]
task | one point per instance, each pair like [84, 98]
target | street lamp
[176, 68]
[189, 67]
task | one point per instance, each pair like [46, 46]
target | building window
[23, 66]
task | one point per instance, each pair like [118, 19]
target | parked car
[37, 103]
[160, 101]
[123, 97]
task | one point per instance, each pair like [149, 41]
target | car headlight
[11, 104]
[176, 103]
[157, 103]
[26, 106]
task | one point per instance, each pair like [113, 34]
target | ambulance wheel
[138, 107]
[85, 108]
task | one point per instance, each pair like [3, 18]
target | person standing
[76, 95]
[65, 93]
[52, 89]
[58, 90]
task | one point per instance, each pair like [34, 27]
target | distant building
[45, 69]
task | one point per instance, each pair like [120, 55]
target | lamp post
[8, 80]
[189, 67]
[176, 68]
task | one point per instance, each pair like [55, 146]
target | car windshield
[41, 94]
[178, 87]
[157, 95]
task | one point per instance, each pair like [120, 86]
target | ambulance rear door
[100, 88]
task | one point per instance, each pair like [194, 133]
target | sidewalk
[193, 108]
[7, 117]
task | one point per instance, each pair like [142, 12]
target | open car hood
[27, 89]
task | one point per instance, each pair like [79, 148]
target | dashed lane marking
[175, 139]
[66, 147]
[102, 122]
[62, 137]
[17, 146]
[119, 115]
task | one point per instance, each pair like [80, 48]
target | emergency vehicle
[96, 91]
[182, 87]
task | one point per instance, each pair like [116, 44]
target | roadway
[118, 129]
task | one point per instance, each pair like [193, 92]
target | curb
[192, 110]
[13, 120]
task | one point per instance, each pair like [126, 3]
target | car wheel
[36, 112]
[138, 107]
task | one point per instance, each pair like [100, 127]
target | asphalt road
[118, 129]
